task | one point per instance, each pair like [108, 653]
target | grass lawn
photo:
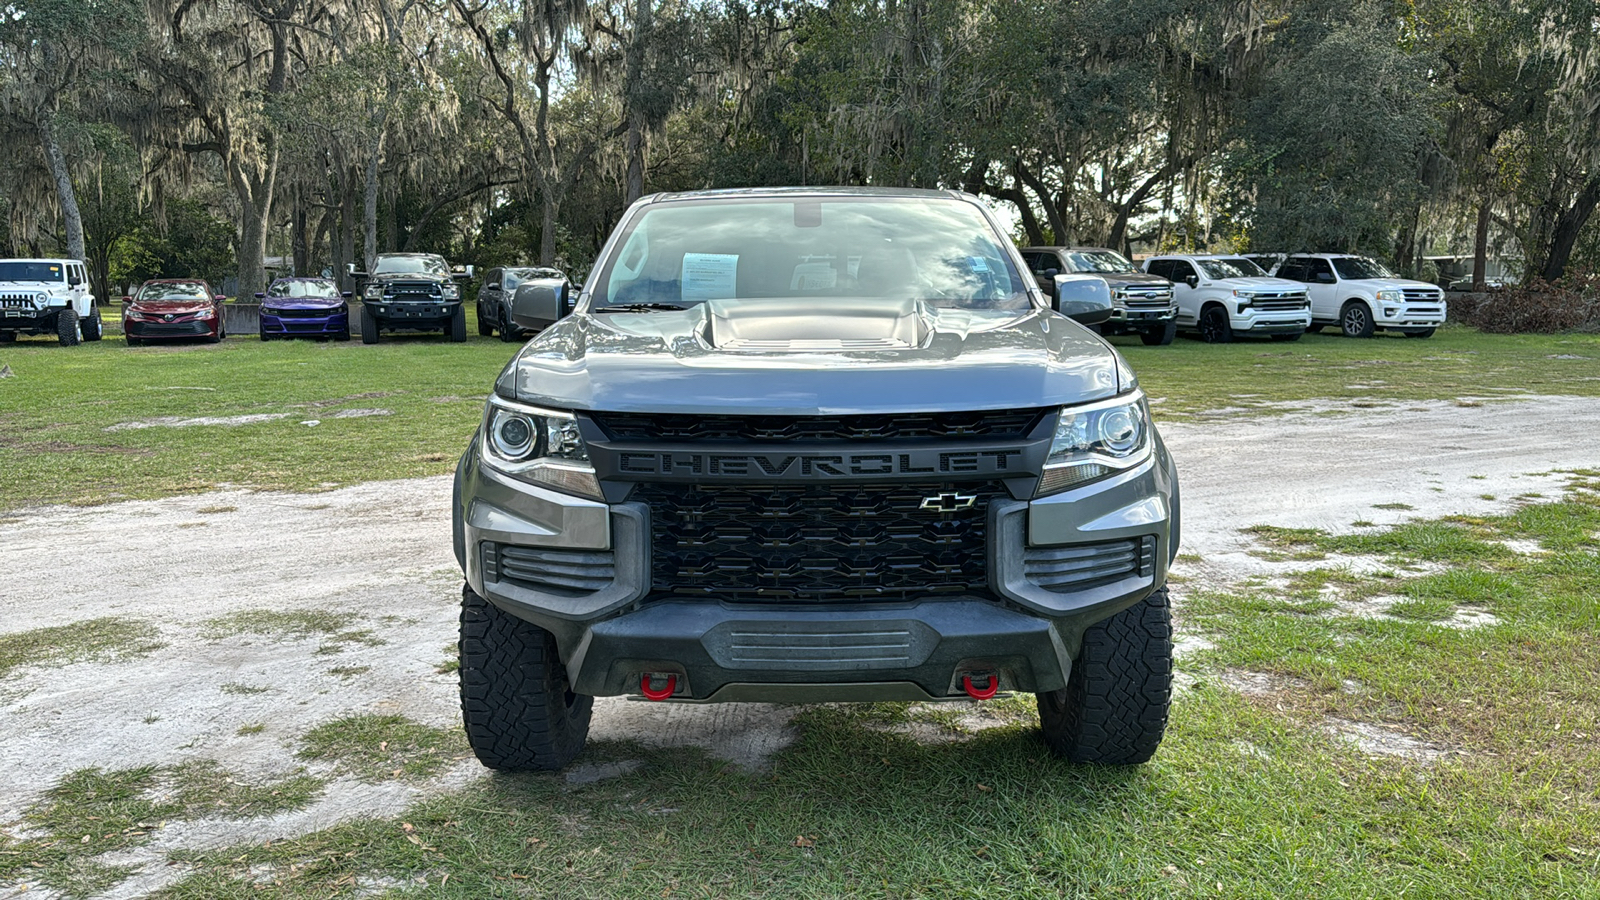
[1424, 727]
[70, 418]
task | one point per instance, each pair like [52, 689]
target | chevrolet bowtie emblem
[949, 502]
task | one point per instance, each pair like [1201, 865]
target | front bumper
[413, 313]
[28, 318]
[1406, 316]
[169, 330]
[1019, 631]
[305, 322]
[1272, 323]
[1122, 315]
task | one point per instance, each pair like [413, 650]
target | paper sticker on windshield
[814, 276]
[709, 276]
[978, 263]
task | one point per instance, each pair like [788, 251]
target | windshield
[942, 251]
[515, 277]
[186, 290]
[1250, 269]
[318, 289]
[1355, 267]
[409, 265]
[1097, 261]
[31, 271]
[1227, 268]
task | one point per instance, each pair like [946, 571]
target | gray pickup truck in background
[796, 445]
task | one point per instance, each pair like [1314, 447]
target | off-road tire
[520, 712]
[1424, 333]
[91, 327]
[1355, 320]
[1160, 338]
[485, 327]
[67, 327]
[457, 331]
[1114, 708]
[369, 327]
[509, 332]
[1284, 338]
[1214, 326]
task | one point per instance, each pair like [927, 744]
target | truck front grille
[815, 543]
[668, 427]
[1424, 295]
[412, 290]
[1146, 297]
[1078, 567]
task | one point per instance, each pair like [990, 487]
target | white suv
[1362, 295]
[47, 296]
[1220, 296]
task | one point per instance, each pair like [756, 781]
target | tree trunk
[369, 207]
[253, 223]
[547, 231]
[1567, 227]
[1480, 248]
[1057, 224]
[70, 215]
[300, 239]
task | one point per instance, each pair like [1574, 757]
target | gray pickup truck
[814, 444]
[1141, 304]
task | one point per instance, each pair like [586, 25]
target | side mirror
[538, 304]
[461, 273]
[1083, 298]
[126, 299]
[346, 294]
[1051, 272]
[1192, 280]
[260, 296]
[350, 268]
[220, 298]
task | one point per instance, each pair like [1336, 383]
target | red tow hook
[981, 693]
[672, 685]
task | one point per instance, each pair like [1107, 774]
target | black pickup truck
[411, 292]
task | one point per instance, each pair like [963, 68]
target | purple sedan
[305, 307]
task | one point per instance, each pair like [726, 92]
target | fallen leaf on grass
[801, 840]
[984, 787]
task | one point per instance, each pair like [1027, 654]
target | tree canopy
[308, 134]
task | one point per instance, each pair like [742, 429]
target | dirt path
[381, 553]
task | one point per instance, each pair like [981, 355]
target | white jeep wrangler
[1221, 296]
[1362, 295]
[47, 296]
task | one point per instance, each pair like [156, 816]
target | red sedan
[171, 308]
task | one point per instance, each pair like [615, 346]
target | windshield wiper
[640, 307]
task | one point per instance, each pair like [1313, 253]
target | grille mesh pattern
[989, 425]
[810, 543]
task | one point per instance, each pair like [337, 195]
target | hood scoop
[815, 324]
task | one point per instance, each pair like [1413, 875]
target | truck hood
[1124, 279]
[1394, 284]
[1259, 283]
[817, 356]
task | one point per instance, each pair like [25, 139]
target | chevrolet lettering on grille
[840, 465]
[949, 502]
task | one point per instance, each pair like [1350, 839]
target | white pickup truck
[1362, 295]
[1221, 296]
[47, 296]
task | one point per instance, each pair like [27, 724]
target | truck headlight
[373, 292]
[450, 292]
[1391, 296]
[1096, 440]
[537, 445]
